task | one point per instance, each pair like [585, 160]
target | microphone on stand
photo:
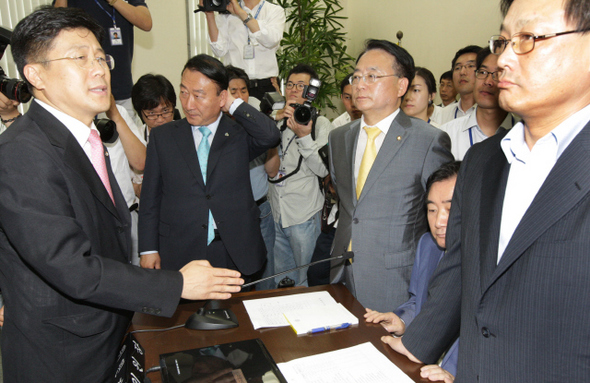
[221, 319]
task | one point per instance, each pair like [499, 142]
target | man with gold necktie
[379, 167]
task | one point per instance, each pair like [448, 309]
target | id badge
[249, 52]
[281, 174]
[115, 35]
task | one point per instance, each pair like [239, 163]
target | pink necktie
[97, 155]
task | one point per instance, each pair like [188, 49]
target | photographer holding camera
[8, 111]
[248, 38]
[295, 195]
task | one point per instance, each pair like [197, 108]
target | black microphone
[344, 256]
[221, 319]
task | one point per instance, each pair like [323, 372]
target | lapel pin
[399, 138]
[106, 153]
[227, 134]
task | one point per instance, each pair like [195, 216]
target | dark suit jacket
[527, 318]
[64, 253]
[386, 222]
[175, 201]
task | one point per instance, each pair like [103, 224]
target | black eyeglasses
[154, 116]
[298, 86]
[522, 42]
[482, 74]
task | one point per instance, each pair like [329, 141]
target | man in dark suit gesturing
[516, 277]
[64, 225]
[196, 199]
[379, 167]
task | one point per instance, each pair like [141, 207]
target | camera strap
[283, 128]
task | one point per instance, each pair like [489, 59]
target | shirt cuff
[234, 105]
[148, 252]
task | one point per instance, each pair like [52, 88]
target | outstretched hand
[202, 281]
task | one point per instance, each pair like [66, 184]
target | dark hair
[150, 90]
[303, 68]
[481, 56]
[428, 78]
[344, 83]
[446, 171]
[403, 65]
[448, 75]
[234, 73]
[33, 36]
[211, 68]
[576, 12]
[468, 49]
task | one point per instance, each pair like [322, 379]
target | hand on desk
[202, 281]
[389, 321]
[435, 372]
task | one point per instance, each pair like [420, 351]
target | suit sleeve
[437, 325]
[151, 198]
[262, 131]
[40, 219]
[439, 153]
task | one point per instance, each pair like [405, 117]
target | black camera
[14, 89]
[214, 6]
[305, 113]
[107, 129]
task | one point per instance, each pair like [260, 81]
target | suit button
[208, 196]
[355, 221]
[120, 229]
[485, 332]
[204, 226]
[145, 310]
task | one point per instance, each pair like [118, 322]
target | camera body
[14, 89]
[305, 112]
[214, 6]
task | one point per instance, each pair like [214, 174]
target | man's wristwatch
[250, 17]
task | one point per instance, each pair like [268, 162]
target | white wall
[433, 31]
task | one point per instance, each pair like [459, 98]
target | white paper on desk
[357, 364]
[268, 312]
[304, 321]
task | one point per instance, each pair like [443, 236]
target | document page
[357, 364]
[313, 320]
[268, 312]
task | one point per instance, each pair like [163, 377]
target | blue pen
[322, 329]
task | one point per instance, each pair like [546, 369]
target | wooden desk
[282, 343]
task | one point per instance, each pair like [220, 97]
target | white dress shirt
[233, 37]
[452, 111]
[530, 168]
[465, 131]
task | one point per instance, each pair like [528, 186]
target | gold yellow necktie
[368, 158]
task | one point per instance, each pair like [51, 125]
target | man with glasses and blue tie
[515, 280]
[68, 288]
[379, 168]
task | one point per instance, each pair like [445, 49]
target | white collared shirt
[465, 131]
[453, 111]
[383, 125]
[530, 168]
[233, 37]
[79, 130]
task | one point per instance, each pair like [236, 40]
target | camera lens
[14, 89]
[302, 115]
[216, 3]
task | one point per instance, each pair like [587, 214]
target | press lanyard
[255, 17]
[284, 152]
[107, 12]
